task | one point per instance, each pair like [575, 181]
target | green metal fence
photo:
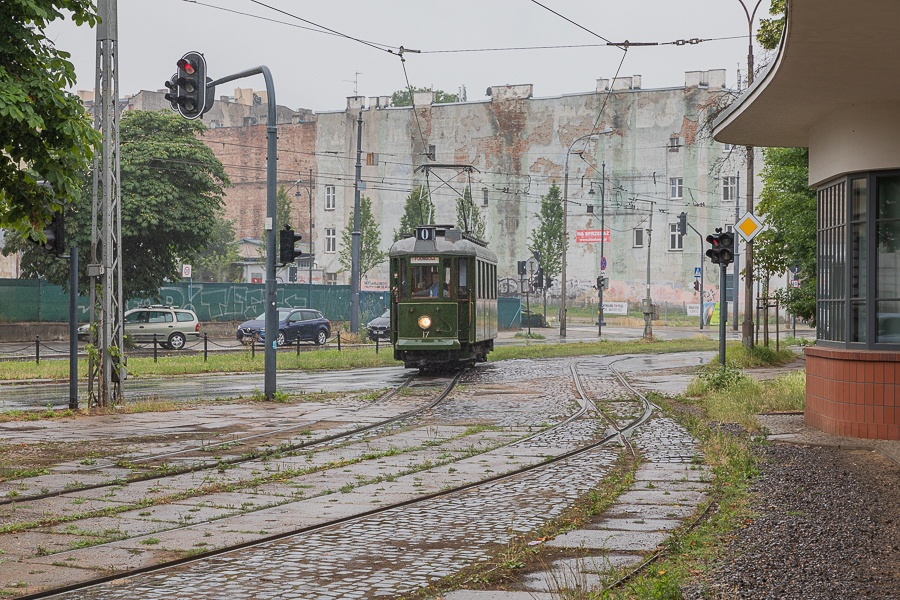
[35, 300]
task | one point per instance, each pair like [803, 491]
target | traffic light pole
[723, 315]
[271, 226]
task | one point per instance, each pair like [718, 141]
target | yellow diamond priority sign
[749, 226]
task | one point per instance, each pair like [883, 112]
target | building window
[676, 187]
[590, 208]
[638, 239]
[831, 265]
[674, 144]
[329, 197]
[676, 240]
[330, 239]
[330, 278]
[729, 188]
[484, 193]
[728, 147]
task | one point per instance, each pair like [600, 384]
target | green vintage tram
[443, 298]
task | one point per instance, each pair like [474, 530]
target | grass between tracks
[717, 401]
[720, 411]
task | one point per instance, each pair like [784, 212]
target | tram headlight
[424, 321]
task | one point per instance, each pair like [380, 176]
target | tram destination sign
[424, 260]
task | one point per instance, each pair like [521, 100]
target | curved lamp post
[562, 309]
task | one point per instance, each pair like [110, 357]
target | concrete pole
[354, 250]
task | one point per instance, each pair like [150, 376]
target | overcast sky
[317, 70]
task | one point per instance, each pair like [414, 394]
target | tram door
[464, 290]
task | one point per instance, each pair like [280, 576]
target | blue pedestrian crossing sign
[697, 272]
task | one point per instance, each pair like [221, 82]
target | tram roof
[443, 244]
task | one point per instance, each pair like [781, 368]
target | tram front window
[426, 282]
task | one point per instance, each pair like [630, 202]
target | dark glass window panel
[888, 328]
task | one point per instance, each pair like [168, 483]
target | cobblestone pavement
[410, 547]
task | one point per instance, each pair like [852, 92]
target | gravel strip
[827, 525]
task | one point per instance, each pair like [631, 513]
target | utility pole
[354, 250]
[106, 216]
[737, 270]
[747, 329]
[310, 242]
[648, 302]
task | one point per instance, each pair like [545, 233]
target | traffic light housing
[187, 88]
[722, 251]
[286, 241]
[539, 279]
[682, 224]
[522, 267]
[55, 233]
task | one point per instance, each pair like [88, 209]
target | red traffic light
[186, 66]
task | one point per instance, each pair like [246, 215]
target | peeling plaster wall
[518, 145]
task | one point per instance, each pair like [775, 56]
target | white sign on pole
[186, 271]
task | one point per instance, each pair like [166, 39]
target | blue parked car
[294, 325]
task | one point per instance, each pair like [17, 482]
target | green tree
[769, 33]
[788, 206]
[217, 262]
[405, 97]
[418, 210]
[468, 215]
[45, 133]
[172, 188]
[370, 253]
[547, 238]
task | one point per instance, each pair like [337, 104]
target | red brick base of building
[853, 393]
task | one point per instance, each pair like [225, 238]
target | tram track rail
[586, 405]
[21, 500]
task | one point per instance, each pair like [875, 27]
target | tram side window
[480, 289]
[463, 275]
[448, 282]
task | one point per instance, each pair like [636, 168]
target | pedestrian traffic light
[286, 241]
[682, 224]
[55, 233]
[547, 282]
[722, 251]
[696, 286]
[522, 267]
[539, 279]
[187, 88]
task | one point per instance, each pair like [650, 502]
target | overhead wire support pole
[106, 216]
[271, 293]
[354, 248]
[737, 270]
[747, 329]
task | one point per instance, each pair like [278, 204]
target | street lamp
[309, 242]
[562, 309]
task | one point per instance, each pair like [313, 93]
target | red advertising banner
[591, 236]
